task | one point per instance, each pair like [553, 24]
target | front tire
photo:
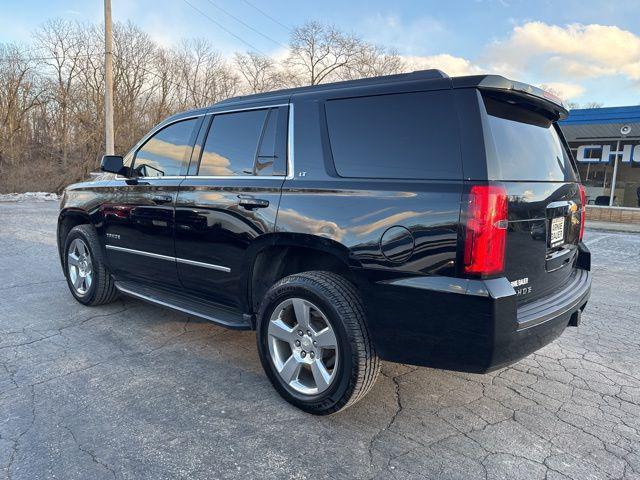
[87, 276]
[314, 343]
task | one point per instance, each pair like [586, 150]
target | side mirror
[114, 164]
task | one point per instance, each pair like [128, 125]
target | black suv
[414, 218]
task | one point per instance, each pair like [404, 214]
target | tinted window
[527, 146]
[232, 143]
[409, 135]
[167, 152]
[269, 159]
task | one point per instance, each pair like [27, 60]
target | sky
[588, 50]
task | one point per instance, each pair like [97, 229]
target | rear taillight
[583, 210]
[486, 230]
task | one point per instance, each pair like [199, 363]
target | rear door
[527, 154]
[230, 200]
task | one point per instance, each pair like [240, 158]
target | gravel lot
[134, 391]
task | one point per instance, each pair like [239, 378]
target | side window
[232, 143]
[267, 151]
[407, 135]
[271, 159]
[167, 152]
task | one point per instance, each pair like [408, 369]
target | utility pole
[108, 80]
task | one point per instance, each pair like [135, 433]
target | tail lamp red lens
[486, 230]
[583, 210]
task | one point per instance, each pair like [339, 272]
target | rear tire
[349, 364]
[87, 276]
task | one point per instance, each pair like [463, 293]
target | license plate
[557, 231]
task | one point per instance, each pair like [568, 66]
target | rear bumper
[467, 325]
[541, 322]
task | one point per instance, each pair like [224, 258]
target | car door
[139, 238]
[231, 201]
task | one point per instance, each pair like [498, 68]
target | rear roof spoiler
[526, 92]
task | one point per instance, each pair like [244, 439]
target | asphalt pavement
[130, 390]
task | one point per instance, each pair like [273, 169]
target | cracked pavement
[130, 390]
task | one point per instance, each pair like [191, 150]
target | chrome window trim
[211, 177]
[246, 109]
[289, 174]
[290, 149]
[211, 266]
[236, 177]
[290, 132]
[168, 177]
[160, 126]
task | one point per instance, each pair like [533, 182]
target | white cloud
[456, 66]
[575, 68]
[449, 64]
[566, 91]
[575, 50]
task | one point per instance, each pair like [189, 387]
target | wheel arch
[67, 219]
[278, 255]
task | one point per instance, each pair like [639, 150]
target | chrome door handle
[159, 199]
[250, 203]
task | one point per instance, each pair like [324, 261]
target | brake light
[583, 210]
[486, 230]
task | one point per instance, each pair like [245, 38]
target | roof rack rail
[430, 74]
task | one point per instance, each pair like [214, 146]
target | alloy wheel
[303, 346]
[79, 266]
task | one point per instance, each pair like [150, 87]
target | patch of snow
[29, 197]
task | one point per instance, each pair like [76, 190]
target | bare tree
[59, 42]
[20, 94]
[320, 52]
[166, 87]
[592, 105]
[90, 99]
[259, 72]
[574, 105]
[205, 77]
[133, 82]
[372, 61]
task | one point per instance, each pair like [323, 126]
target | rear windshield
[527, 145]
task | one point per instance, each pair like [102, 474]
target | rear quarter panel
[357, 212]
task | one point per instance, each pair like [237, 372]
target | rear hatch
[527, 154]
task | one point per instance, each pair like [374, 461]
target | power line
[223, 27]
[268, 16]
[246, 24]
